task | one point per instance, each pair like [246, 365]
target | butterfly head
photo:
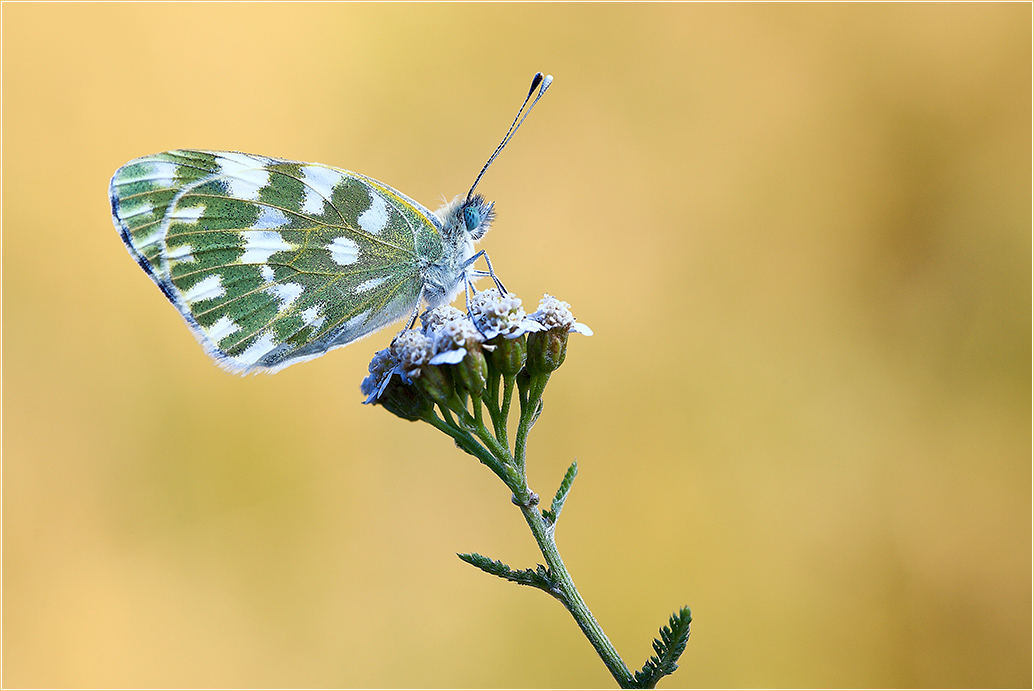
[470, 217]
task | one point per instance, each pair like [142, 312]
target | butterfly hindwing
[271, 261]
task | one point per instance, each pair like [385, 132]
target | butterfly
[272, 262]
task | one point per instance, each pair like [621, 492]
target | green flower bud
[436, 383]
[472, 371]
[546, 350]
[509, 354]
[405, 401]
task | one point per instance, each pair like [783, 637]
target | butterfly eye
[471, 217]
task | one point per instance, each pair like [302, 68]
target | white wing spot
[186, 214]
[267, 273]
[183, 253]
[344, 251]
[259, 245]
[245, 175]
[370, 285]
[222, 328]
[270, 217]
[207, 288]
[286, 293]
[312, 317]
[319, 186]
[374, 219]
[257, 350]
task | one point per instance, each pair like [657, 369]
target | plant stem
[529, 404]
[493, 451]
[572, 599]
[544, 536]
[504, 412]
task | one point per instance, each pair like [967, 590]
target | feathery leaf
[540, 577]
[669, 648]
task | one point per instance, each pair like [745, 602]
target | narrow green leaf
[561, 495]
[540, 577]
[669, 648]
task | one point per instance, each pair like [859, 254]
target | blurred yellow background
[801, 233]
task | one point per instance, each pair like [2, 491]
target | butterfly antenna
[545, 81]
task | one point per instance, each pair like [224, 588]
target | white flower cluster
[447, 335]
[556, 314]
[452, 338]
[496, 314]
[412, 350]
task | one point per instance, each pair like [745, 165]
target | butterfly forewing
[272, 261]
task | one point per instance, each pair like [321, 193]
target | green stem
[544, 536]
[479, 415]
[572, 599]
[493, 451]
[468, 443]
[491, 400]
[529, 411]
[504, 413]
[495, 446]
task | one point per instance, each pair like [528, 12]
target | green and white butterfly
[273, 262]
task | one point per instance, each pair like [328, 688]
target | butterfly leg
[467, 276]
[416, 310]
[482, 274]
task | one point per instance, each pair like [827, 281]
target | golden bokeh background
[801, 234]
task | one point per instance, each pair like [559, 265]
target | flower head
[411, 350]
[453, 339]
[434, 318]
[454, 356]
[548, 348]
[459, 344]
[556, 314]
[383, 388]
[497, 314]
